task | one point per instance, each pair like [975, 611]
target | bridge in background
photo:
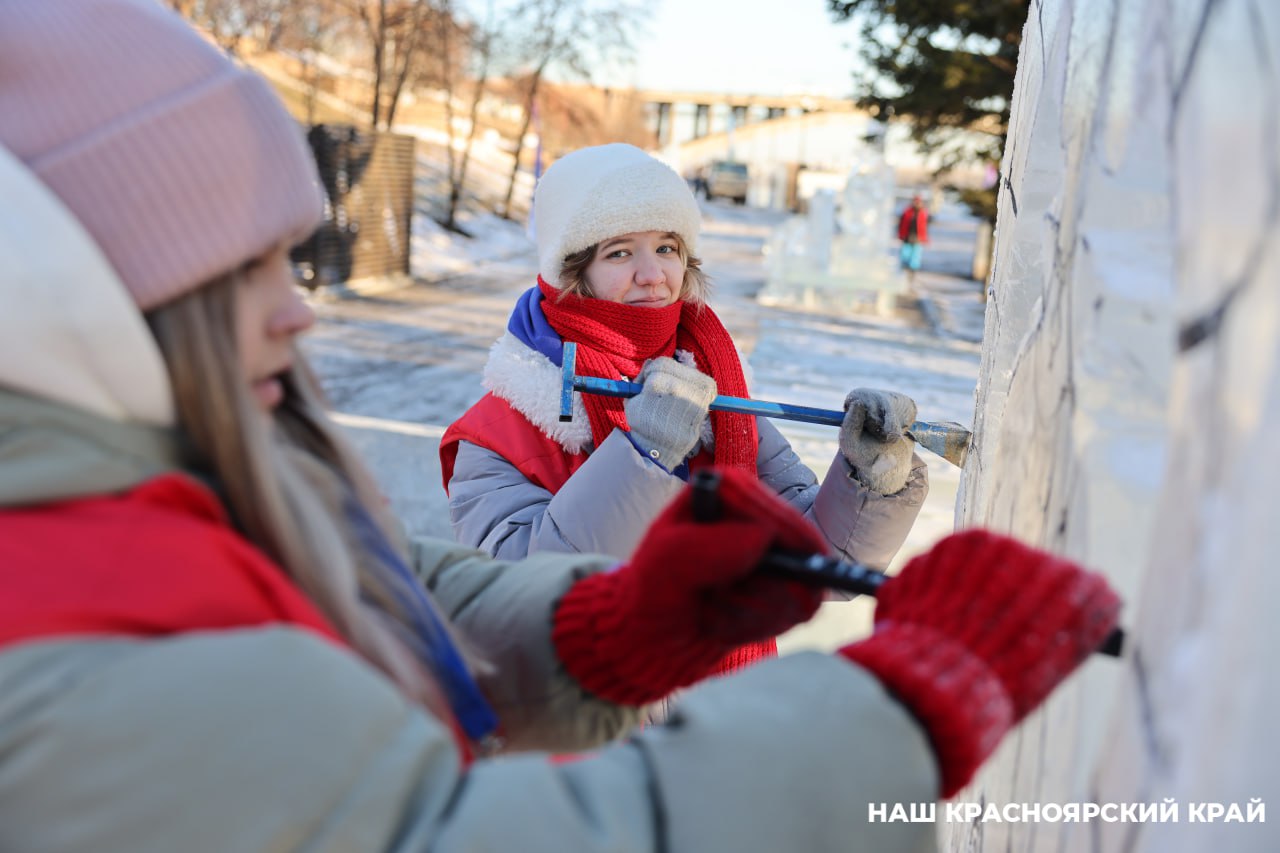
[679, 117]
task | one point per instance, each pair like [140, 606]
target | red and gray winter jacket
[164, 687]
[521, 481]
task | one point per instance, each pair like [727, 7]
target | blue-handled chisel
[948, 440]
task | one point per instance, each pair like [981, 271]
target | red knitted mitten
[688, 597]
[973, 635]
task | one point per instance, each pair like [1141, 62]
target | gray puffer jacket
[607, 504]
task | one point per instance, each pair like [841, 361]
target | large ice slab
[1128, 403]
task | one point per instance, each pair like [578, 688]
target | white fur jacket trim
[531, 382]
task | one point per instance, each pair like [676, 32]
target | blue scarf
[530, 326]
[430, 641]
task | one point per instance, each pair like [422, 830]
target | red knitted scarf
[615, 340]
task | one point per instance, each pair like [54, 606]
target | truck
[727, 179]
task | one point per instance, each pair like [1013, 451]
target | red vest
[493, 424]
[159, 559]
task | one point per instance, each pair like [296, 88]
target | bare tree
[309, 31]
[395, 30]
[230, 21]
[572, 116]
[572, 36]
[461, 47]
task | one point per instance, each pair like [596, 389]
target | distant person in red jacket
[913, 231]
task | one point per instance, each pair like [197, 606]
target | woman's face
[641, 268]
[270, 313]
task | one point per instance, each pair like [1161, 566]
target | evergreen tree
[941, 66]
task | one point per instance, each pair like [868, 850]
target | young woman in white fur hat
[617, 235]
[212, 638]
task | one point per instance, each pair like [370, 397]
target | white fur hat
[600, 192]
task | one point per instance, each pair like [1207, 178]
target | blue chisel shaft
[620, 388]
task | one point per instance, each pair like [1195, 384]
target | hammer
[945, 438]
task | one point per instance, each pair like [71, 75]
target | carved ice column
[814, 263]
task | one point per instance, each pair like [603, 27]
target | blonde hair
[289, 482]
[694, 289]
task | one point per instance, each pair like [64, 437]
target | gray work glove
[872, 440]
[666, 416]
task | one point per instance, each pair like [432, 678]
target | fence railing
[368, 179]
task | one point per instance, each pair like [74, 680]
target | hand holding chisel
[830, 572]
[948, 440]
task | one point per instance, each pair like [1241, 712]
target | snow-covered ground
[437, 253]
[400, 365]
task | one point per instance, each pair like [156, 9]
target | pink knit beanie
[179, 163]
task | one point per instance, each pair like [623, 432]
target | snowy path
[400, 366]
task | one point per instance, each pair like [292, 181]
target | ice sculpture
[840, 255]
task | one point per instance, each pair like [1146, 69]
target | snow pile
[437, 253]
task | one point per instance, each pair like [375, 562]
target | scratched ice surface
[1127, 405]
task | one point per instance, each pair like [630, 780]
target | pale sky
[760, 46]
